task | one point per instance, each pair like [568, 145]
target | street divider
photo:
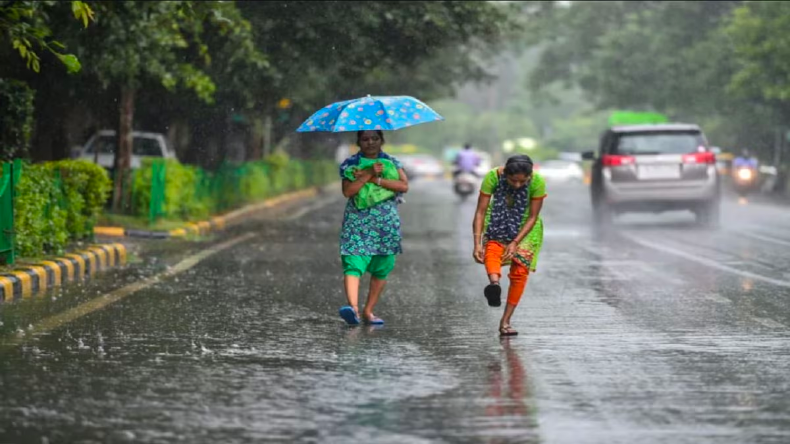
[29, 280]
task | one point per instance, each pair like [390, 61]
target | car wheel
[603, 215]
[709, 215]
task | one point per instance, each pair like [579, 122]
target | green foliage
[16, 118]
[714, 63]
[26, 24]
[182, 191]
[86, 187]
[57, 202]
[136, 42]
[194, 194]
[39, 223]
[758, 31]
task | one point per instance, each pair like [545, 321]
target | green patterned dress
[533, 241]
[373, 231]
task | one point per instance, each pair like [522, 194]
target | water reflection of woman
[509, 392]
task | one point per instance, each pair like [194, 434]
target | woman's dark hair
[520, 164]
[379, 132]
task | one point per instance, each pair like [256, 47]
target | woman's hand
[510, 251]
[378, 168]
[364, 175]
[478, 254]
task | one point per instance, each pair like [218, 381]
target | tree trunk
[255, 151]
[123, 155]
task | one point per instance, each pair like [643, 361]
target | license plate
[653, 172]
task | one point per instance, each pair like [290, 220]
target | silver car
[654, 168]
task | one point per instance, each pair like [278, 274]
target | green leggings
[378, 266]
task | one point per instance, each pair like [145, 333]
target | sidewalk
[115, 247]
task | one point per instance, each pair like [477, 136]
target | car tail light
[700, 158]
[610, 160]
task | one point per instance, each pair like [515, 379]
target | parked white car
[143, 145]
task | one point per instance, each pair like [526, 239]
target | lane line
[52, 322]
[707, 262]
[766, 238]
[718, 299]
[770, 323]
[317, 206]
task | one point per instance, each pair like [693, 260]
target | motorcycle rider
[744, 173]
[745, 160]
[467, 161]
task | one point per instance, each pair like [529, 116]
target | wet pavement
[658, 332]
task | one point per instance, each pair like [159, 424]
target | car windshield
[659, 143]
[142, 146]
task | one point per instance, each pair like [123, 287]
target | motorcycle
[744, 180]
[465, 184]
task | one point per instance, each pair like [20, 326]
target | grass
[139, 223]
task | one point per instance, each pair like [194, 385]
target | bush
[255, 181]
[191, 193]
[183, 199]
[86, 188]
[39, 223]
[57, 202]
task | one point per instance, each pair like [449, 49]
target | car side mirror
[588, 155]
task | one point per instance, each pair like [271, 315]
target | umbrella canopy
[385, 113]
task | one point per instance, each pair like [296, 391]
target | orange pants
[518, 273]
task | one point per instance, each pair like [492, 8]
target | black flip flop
[507, 330]
[493, 293]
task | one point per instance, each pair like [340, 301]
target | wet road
[660, 332]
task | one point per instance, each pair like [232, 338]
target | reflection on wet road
[657, 332]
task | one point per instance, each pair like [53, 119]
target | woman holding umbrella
[370, 238]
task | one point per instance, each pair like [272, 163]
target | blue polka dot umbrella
[385, 113]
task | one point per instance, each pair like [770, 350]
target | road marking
[769, 322]
[707, 262]
[766, 238]
[718, 299]
[52, 322]
[317, 206]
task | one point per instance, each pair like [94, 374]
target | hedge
[57, 202]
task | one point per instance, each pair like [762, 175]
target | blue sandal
[349, 315]
[374, 320]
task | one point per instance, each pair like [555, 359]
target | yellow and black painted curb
[30, 280]
[216, 223]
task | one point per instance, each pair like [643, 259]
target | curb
[28, 280]
[216, 223]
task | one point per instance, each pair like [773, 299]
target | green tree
[758, 32]
[138, 42]
[321, 52]
[26, 26]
